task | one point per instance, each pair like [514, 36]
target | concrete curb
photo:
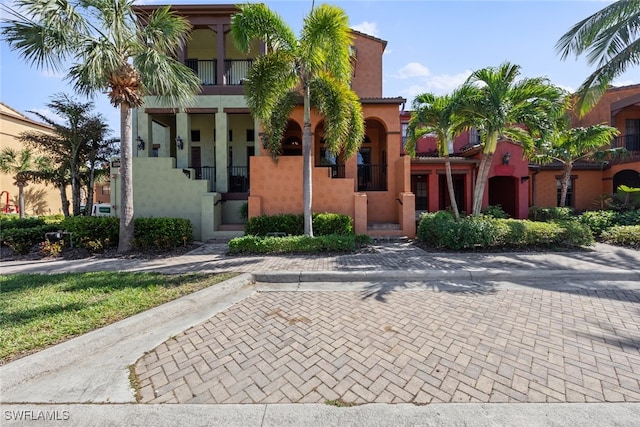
[422, 275]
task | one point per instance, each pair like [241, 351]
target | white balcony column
[183, 131]
[222, 152]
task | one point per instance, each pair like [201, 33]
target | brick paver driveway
[405, 346]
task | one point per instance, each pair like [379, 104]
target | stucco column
[222, 152]
[143, 130]
[183, 130]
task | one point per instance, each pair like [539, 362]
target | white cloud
[422, 80]
[370, 28]
[619, 83]
[412, 70]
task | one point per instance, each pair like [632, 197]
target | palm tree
[20, 164]
[72, 145]
[499, 106]
[436, 114]
[567, 146]
[316, 67]
[113, 51]
[611, 40]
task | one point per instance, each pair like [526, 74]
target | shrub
[95, 234]
[598, 221]
[293, 225]
[13, 221]
[21, 240]
[441, 230]
[161, 233]
[549, 214]
[495, 212]
[325, 224]
[51, 249]
[623, 235]
[292, 244]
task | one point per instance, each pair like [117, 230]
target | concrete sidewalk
[587, 300]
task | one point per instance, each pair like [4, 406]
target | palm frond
[325, 41]
[275, 126]
[258, 22]
[344, 124]
[270, 79]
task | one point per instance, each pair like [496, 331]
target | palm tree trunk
[481, 182]
[21, 200]
[64, 200]
[564, 183]
[452, 196]
[126, 180]
[307, 186]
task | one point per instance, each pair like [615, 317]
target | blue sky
[432, 46]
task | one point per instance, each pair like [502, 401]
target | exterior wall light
[506, 158]
[179, 143]
[140, 142]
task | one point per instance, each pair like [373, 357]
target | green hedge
[293, 225]
[442, 231]
[95, 234]
[21, 240]
[296, 244]
[13, 221]
[600, 221]
[162, 233]
[549, 214]
[623, 235]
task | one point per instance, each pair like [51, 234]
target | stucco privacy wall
[329, 195]
[160, 190]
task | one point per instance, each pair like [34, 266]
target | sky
[431, 46]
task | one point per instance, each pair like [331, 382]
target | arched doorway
[628, 177]
[503, 192]
[292, 140]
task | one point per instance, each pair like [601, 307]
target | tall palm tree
[611, 40]
[567, 146]
[316, 67]
[436, 114]
[111, 51]
[20, 164]
[500, 105]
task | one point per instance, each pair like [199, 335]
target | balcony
[205, 69]
[631, 142]
[207, 173]
[334, 171]
[235, 71]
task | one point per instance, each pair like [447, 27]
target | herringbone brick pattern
[413, 346]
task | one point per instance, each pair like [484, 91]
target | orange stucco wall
[367, 78]
[279, 187]
[601, 112]
[588, 186]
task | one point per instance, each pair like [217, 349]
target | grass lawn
[37, 311]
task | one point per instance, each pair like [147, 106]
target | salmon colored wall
[367, 81]
[601, 112]
[631, 112]
[588, 187]
[518, 167]
[329, 195]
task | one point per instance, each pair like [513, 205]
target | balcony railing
[334, 171]
[631, 142]
[208, 173]
[236, 70]
[372, 177]
[205, 69]
[238, 179]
